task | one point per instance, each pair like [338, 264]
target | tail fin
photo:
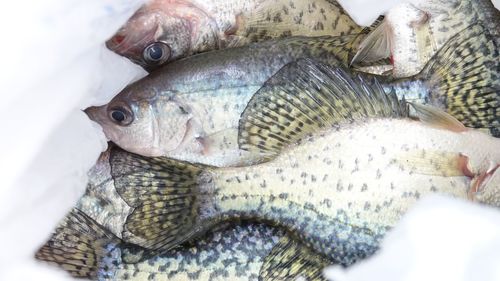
[79, 246]
[166, 198]
[464, 78]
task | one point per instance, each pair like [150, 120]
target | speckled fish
[87, 245]
[245, 252]
[166, 30]
[189, 110]
[343, 163]
[412, 33]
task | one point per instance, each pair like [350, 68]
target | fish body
[413, 32]
[189, 109]
[236, 253]
[239, 251]
[341, 163]
[165, 30]
[344, 190]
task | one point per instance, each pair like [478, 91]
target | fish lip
[91, 112]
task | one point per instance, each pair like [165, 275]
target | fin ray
[464, 77]
[78, 245]
[164, 195]
[291, 259]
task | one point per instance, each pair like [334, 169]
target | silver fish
[164, 30]
[339, 167]
[190, 109]
[87, 244]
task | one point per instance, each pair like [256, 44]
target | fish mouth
[92, 113]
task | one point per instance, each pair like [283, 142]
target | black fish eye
[156, 53]
[120, 116]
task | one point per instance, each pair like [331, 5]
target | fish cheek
[174, 128]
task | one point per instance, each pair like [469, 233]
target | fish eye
[156, 53]
[120, 116]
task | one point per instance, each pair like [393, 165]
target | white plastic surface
[53, 64]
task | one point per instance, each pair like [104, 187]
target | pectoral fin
[437, 163]
[437, 118]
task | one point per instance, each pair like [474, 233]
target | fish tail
[464, 79]
[80, 246]
[167, 198]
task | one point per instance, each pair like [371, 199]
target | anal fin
[290, 259]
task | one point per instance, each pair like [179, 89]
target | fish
[412, 32]
[87, 244]
[190, 109]
[84, 249]
[162, 31]
[339, 167]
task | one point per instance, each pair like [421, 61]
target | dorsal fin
[305, 97]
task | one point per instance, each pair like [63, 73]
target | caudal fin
[79, 245]
[464, 78]
[165, 197]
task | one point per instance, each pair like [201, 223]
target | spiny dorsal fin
[78, 245]
[464, 78]
[305, 97]
[165, 197]
[437, 118]
[291, 259]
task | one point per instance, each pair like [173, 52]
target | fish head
[142, 121]
[160, 32]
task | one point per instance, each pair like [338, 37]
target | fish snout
[94, 113]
